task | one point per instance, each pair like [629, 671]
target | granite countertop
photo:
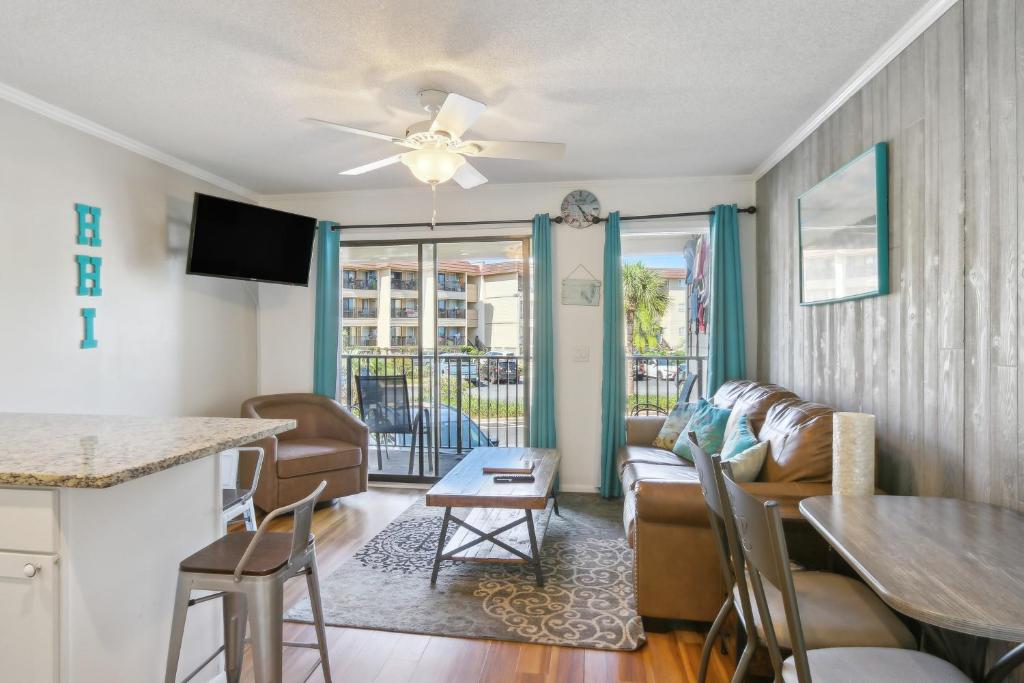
[99, 451]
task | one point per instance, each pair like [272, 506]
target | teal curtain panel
[727, 353]
[542, 403]
[325, 334]
[613, 359]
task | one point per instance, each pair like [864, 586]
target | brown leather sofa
[676, 571]
[329, 444]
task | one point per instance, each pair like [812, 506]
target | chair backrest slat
[763, 542]
[384, 403]
[302, 524]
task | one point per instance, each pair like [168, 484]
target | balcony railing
[360, 284]
[654, 382]
[452, 313]
[359, 312]
[451, 286]
[403, 341]
[360, 341]
[404, 313]
[408, 285]
[482, 398]
[451, 340]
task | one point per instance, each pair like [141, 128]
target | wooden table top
[467, 486]
[950, 563]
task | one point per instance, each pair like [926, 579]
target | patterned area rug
[586, 601]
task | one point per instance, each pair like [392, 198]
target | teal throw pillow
[743, 452]
[708, 423]
[739, 440]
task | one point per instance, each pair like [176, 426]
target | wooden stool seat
[222, 556]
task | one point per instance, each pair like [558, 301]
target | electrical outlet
[581, 353]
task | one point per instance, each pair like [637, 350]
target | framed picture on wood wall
[843, 227]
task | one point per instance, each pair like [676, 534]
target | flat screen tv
[238, 240]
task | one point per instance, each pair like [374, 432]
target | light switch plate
[581, 353]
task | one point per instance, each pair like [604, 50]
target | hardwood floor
[363, 656]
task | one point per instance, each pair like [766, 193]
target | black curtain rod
[556, 219]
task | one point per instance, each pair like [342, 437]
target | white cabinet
[28, 630]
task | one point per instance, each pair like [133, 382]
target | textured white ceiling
[641, 89]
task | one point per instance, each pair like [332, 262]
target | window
[664, 317]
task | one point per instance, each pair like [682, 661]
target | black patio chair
[384, 406]
[654, 409]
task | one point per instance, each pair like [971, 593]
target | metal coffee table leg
[440, 545]
[534, 550]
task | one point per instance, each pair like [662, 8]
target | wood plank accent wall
[937, 360]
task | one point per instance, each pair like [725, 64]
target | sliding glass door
[434, 349]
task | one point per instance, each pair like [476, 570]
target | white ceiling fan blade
[512, 149]
[468, 177]
[360, 131]
[366, 168]
[457, 114]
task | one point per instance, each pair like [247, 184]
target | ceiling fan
[438, 152]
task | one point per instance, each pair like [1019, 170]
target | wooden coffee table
[496, 509]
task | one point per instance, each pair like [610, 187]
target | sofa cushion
[641, 429]
[754, 402]
[297, 457]
[800, 442]
[729, 393]
[648, 454]
[639, 471]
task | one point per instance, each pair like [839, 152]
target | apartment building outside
[473, 303]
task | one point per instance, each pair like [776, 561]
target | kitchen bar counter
[96, 451]
[96, 512]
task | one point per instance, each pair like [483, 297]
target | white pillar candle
[853, 454]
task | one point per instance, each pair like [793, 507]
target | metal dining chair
[238, 501]
[759, 530]
[247, 571]
[709, 473]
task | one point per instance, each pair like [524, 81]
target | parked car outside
[503, 371]
[471, 436]
[454, 365]
[655, 369]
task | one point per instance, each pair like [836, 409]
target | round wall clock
[580, 209]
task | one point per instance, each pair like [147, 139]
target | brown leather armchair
[329, 444]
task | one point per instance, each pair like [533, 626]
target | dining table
[954, 565]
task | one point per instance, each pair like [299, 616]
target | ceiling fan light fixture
[432, 165]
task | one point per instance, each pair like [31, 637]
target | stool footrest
[203, 665]
[211, 596]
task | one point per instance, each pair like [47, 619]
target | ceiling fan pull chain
[433, 217]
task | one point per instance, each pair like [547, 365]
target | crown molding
[594, 184]
[34, 104]
[910, 31]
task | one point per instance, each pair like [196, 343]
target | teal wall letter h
[89, 275]
[88, 222]
[89, 338]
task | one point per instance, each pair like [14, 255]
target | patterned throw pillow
[708, 422]
[674, 423]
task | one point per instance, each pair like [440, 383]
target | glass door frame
[434, 399]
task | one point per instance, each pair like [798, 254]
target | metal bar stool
[238, 501]
[248, 570]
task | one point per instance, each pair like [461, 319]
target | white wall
[168, 343]
[286, 313]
